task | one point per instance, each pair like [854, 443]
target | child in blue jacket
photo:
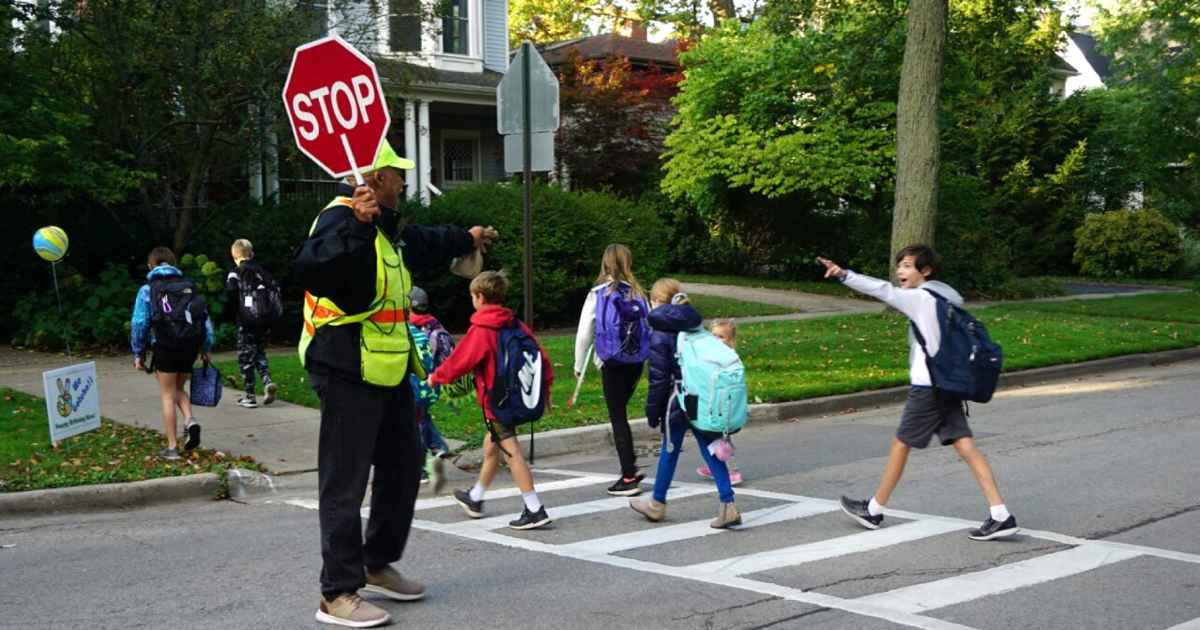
[671, 314]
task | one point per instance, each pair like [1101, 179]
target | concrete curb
[110, 496]
[579, 439]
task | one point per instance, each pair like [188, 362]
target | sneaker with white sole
[169, 454]
[474, 509]
[248, 402]
[193, 435]
[351, 611]
[627, 487]
[858, 511]
[388, 581]
[993, 529]
[269, 393]
[531, 520]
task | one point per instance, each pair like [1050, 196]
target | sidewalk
[282, 436]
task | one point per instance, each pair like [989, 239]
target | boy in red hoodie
[477, 351]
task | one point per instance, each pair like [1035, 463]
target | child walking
[434, 344]
[724, 329]
[478, 351]
[671, 314]
[614, 318]
[252, 326]
[168, 322]
[925, 413]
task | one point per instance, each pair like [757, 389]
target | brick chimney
[633, 28]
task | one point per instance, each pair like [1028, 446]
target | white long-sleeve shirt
[586, 333]
[919, 306]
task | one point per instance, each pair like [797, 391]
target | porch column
[423, 151]
[410, 149]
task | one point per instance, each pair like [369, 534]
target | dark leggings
[619, 382]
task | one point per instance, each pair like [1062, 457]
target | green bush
[95, 315]
[1127, 243]
[1190, 265]
[570, 232]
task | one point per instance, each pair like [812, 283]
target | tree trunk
[914, 217]
[722, 10]
[191, 192]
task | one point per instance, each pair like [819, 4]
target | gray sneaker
[351, 611]
[269, 393]
[169, 454]
[388, 581]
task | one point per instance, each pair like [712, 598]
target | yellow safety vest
[385, 345]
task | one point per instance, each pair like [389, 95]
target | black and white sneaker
[531, 520]
[474, 509]
[248, 402]
[269, 393]
[858, 511]
[627, 487]
[993, 529]
[193, 436]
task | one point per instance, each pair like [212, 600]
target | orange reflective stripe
[389, 316]
[309, 328]
[319, 311]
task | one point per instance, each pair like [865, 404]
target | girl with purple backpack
[614, 322]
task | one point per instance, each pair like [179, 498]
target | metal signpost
[527, 104]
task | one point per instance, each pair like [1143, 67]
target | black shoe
[627, 487]
[474, 509]
[193, 436]
[993, 529]
[857, 510]
[531, 520]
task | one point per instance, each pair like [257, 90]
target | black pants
[619, 381]
[363, 425]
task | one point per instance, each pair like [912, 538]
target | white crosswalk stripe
[904, 606]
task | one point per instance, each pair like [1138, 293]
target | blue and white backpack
[712, 386]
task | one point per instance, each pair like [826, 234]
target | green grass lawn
[793, 360]
[823, 288]
[1166, 307]
[1182, 283]
[712, 307]
[112, 453]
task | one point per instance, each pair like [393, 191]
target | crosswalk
[909, 605]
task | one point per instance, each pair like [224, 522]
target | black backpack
[259, 302]
[517, 395]
[968, 363]
[177, 314]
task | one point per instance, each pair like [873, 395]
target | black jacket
[666, 322]
[338, 262]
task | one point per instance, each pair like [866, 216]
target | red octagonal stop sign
[335, 104]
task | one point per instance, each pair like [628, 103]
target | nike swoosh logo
[531, 378]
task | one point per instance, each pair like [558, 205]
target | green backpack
[423, 394]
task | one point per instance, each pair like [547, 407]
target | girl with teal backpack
[696, 384]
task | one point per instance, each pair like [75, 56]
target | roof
[392, 70]
[612, 45]
[1091, 51]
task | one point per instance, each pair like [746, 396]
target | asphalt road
[1101, 473]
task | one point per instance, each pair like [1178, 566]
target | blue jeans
[669, 458]
[431, 439]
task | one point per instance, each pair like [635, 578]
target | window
[404, 26]
[460, 156]
[456, 28]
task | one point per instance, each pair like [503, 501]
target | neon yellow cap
[387, 158]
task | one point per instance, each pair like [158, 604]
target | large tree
[914, 217]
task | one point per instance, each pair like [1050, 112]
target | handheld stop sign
[336, 107]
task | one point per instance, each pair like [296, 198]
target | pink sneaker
[735, 477]
[703, 471]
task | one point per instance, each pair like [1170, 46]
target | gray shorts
[924, 414]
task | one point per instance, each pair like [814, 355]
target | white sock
[532, 503]
[873, 507]
[477, 492]
[999, 513]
